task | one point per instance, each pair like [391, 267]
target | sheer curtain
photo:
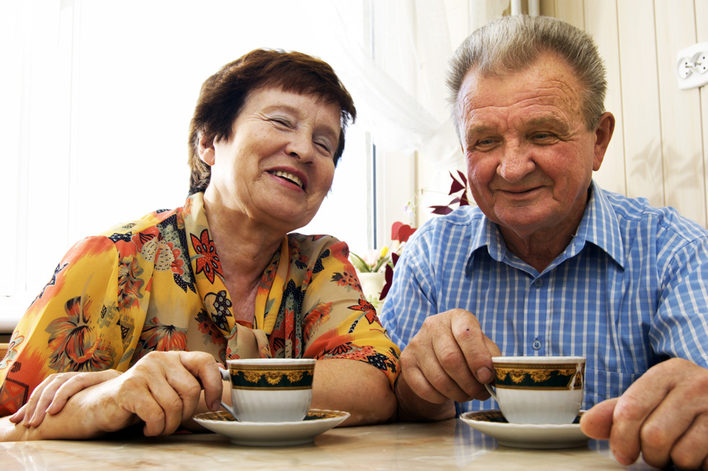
[97, 95]
[401, 93]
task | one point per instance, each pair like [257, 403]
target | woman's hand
[50, 396]
[162, 389]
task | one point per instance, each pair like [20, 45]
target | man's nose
[516, 162]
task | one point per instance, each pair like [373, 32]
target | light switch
[692, 66]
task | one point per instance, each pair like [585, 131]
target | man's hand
[663, 415]
[449, 359]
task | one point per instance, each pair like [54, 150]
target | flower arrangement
[372, 262]
[376, 268]
[379, 264]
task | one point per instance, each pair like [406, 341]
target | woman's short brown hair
[223, 94]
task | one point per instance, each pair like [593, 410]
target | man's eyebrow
[549, 121]
[478, 129]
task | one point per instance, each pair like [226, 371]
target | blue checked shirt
[629, 291]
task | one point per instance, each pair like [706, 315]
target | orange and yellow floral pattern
[157, 284]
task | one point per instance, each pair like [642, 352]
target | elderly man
[550, 263]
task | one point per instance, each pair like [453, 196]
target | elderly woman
[133, 324]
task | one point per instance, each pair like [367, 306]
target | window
[97, 100]
[97, 96]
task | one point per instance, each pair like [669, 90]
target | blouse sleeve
[78, 322]
[338, 320]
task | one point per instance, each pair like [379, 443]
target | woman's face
[278, 164]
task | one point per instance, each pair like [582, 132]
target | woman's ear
[206, 149]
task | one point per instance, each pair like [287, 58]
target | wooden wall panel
[702, 36]
[680, 112]
[662, 132]
[640, 100]
[660, 146]
[598, 14]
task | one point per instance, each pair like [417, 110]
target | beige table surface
[450, 444]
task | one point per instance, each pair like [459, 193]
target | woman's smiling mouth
[289, 177]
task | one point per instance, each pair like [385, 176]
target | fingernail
[484, 375]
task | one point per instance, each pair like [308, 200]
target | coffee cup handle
[491, 391]
[225, 375]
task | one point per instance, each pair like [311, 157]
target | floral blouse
[157, 284]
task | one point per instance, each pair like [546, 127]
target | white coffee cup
[538, 390]
[269, 389]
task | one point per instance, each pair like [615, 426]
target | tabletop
[450, 444]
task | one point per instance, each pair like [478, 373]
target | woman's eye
[325, 146]
[282, 122]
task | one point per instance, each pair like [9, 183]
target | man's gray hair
[512, 43]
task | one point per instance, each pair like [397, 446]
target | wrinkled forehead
[545, 84]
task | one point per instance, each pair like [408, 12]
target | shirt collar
[598, 226]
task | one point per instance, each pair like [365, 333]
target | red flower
[401, 232]
[207, 259]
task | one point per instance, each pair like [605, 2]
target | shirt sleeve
[70, 326]
[412, 296]
[338, 320]
[680, 327]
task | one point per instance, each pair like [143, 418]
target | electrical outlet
[700, 62]
[692, 66]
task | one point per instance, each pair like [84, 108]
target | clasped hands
[163, 389]
[663, 415]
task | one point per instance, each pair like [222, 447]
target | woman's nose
[300, 146]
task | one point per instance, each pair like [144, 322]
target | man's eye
[544, 137]
[483, 145]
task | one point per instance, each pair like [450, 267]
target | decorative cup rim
[269, 362]
[536, 360]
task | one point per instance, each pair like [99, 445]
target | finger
[47, 395]
[75, 384]
[474, 346]
[172, 405]
[439, 367]
[447, 370]
[631, 411]
[419, 383]
[204, 367]
[597, 422]
[681, 411]
[690, 451]
[17, 417]
[31, 405]
[136, 396]
[188, 390]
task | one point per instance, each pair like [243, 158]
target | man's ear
[603, 135]
[206, 149]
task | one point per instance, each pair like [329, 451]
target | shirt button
[536, 345]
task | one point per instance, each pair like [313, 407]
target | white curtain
[96, 97]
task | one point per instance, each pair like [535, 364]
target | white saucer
[525, 435]
[316, 422]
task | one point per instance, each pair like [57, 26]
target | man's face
[529, 153]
